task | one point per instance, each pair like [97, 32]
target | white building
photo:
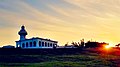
[33, 42]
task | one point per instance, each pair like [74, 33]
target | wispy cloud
[71, 19]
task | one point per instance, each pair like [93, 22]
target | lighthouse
[22, 33]
[34, 42]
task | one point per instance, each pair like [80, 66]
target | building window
[51, 45]
[42, 44]
[27, 44]
[23, 45]
[48, 45]
[30, 44]
[39, 43]
[34, 43]
[45, 44]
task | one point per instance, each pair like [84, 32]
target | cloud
[71, 19]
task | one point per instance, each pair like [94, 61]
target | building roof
[8, 46]
[37, 38]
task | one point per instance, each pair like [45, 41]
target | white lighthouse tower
[22, 33]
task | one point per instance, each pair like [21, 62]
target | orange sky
[61, 20]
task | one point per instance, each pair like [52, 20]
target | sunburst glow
[107, 46]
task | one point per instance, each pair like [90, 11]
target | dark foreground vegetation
[76, 57]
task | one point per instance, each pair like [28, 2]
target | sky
[61, 20]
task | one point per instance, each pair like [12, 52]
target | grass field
[88, 58]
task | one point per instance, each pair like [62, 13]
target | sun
[107, 46]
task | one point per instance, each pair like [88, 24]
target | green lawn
[88, 59]
[64, 61]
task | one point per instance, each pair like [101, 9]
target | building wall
[36, 43]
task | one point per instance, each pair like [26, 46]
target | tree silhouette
[82, 43]
[66, 44]
[90, 44]
[117, 45]
[74, 44]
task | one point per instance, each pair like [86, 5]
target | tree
[117, 45]
[82, 43]
[66, 44]
[74, 44]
